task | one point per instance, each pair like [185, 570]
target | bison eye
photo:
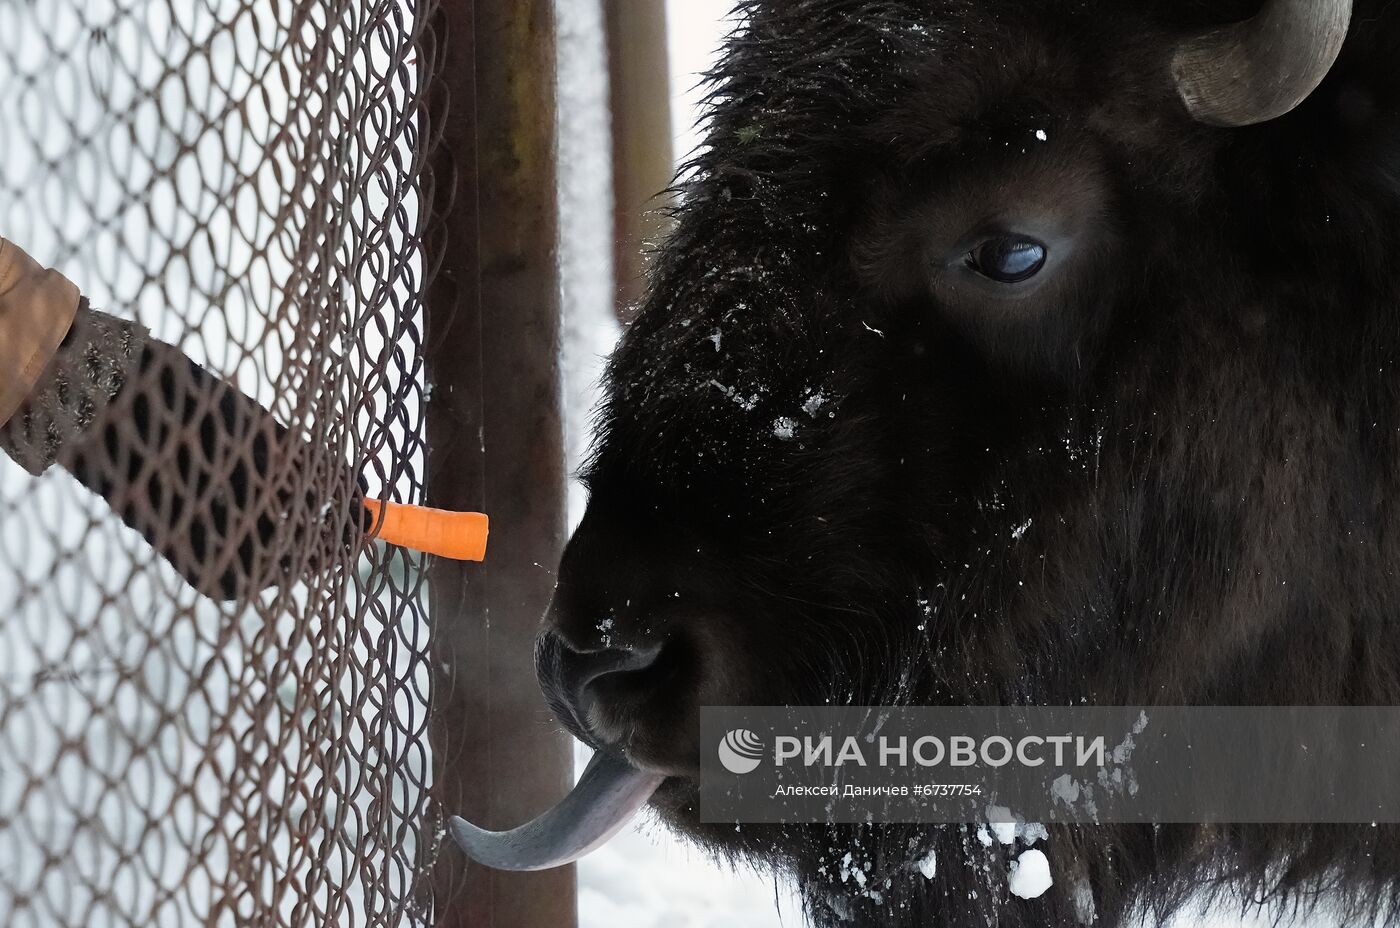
[1008, 259]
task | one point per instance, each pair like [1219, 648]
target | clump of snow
[851, 870]
[984, 836]
[784, 428]
[1118, 780]
[1085, 912]
[927, 865]
[1041, 135]
[1003, 824]
[746, 403]
[1030, 875]
[1010, 828]
[1065, 789]
[1031, 832]
[1123, 752]
[857, 879]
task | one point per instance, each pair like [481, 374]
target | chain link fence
[246, 179]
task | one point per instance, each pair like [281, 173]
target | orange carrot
[460, 536]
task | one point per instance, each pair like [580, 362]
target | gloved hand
[224, 492]
[88, 369]
[220, 499]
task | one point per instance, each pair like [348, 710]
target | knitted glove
[98, 356]
[226, 493]
[209, 478]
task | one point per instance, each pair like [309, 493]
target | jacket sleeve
[37, 307]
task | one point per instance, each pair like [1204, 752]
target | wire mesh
[245, 178]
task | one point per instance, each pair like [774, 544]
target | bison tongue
[607, 796]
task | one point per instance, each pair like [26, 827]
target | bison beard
[852, 453]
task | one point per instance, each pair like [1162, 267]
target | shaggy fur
[1168, 475]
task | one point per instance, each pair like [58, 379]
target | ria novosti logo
[741, 751]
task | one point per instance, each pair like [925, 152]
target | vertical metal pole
[640, 99]
[496, 444]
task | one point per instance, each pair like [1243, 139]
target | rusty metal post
[640, 100]
[495, 444]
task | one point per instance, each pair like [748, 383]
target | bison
[1005, 352]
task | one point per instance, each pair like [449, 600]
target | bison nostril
[571, 677]
[638, 680]
[588, 667]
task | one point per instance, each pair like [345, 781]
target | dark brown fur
[1169, 477]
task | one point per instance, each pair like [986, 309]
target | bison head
[1008, 352]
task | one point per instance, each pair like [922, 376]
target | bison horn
[607, 796]
[1262, 68]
